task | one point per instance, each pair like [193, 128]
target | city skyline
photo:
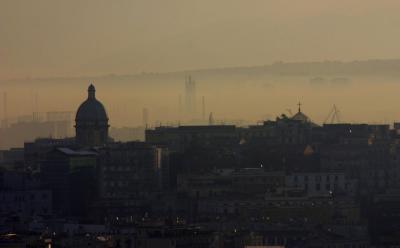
[207, 124]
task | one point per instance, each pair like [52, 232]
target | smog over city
[197, 101]
[260, 57]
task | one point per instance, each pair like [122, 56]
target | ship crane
[333, 116]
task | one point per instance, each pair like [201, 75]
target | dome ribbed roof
[91, 110]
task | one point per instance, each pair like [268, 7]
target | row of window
[8, 209]
[317, 178]
[30, 197]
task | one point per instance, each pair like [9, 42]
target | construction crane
[333, 116]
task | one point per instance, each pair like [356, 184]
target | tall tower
[35, 114]
[203, 108]
[179, 107]
[5, 114]
[91, 122]
[190, 97]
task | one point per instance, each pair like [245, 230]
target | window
[318, 187]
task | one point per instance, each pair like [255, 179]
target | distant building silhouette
[91, 122]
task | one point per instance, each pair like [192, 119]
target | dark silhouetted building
[71, 176]
[91, 122]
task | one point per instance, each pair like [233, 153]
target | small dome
[299, 116]
[91, 110]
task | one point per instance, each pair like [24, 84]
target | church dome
[299, 116]
[91, 110]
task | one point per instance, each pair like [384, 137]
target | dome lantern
[91, 92]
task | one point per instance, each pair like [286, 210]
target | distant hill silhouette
[378, 67]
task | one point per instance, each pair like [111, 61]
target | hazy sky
[42, 38]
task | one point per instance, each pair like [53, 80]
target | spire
[91, 92]
[299, 104]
